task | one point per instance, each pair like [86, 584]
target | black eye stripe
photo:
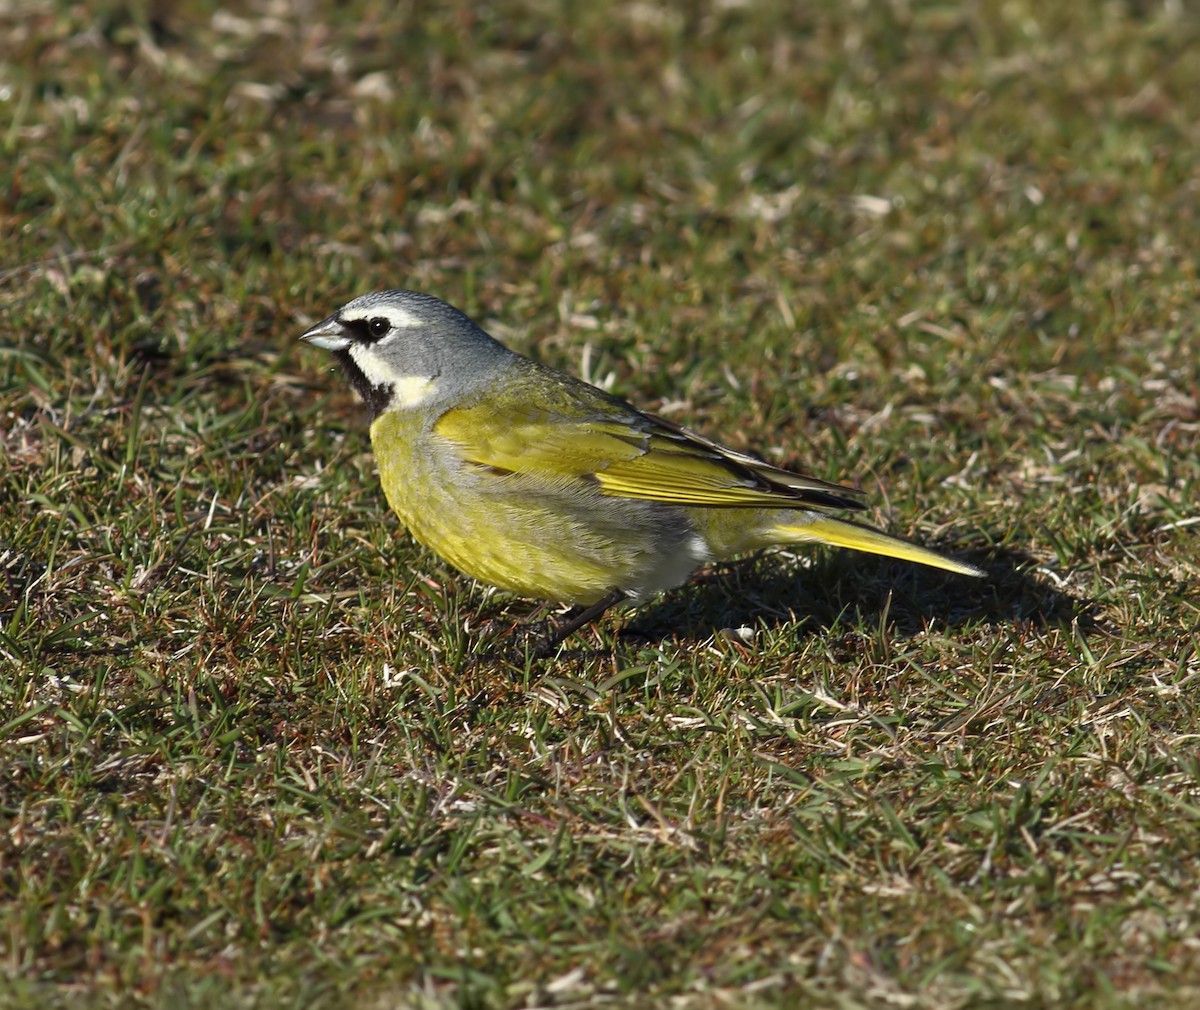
[369, 330]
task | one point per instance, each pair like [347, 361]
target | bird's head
[402, 349]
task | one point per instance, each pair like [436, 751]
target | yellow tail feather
[841, 533]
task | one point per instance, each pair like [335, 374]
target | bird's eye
[378, 326]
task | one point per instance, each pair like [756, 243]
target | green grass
[258, 749]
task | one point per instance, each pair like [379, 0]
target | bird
[526, 478]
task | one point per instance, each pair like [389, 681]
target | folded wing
[628, 454]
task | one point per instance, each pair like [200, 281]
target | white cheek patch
[407, 390]
[412, 391]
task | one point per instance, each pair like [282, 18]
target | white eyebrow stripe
[399, 319]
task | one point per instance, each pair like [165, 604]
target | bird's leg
[572, 624]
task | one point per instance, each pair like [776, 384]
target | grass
[259, 749]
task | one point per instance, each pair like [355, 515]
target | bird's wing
[628, 454]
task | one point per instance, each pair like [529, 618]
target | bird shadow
[818, 596]
[767, 591]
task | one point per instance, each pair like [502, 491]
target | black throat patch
[376, 397]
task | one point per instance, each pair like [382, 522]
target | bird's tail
[824, 529]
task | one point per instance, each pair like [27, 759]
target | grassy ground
[257, 748]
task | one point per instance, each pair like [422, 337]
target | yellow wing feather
[630, 455]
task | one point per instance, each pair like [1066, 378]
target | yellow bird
[528, 479]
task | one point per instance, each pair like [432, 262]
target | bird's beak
[329, 334]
